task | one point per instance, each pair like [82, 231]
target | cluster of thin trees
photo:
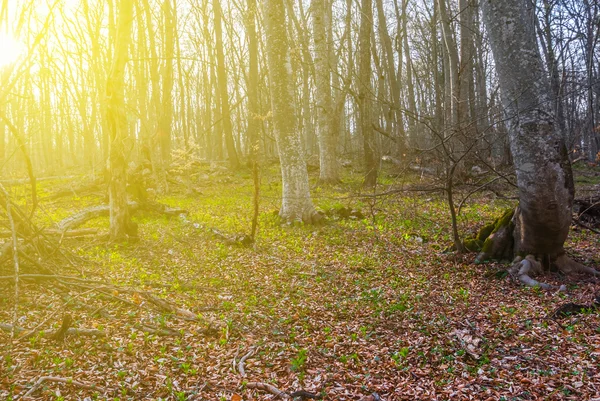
[151, 82]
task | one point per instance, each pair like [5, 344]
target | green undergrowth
[352, 296]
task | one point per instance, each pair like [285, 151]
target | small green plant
[399, 356]
[297, 363]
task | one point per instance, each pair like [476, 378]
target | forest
[368, 200]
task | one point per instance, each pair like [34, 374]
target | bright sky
[10, 49]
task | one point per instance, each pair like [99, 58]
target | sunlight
[10, 49]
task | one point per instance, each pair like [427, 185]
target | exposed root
[242, 360]
[522, 268]
[567, 265]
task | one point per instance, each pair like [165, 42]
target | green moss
[473, 244]
[487, 245]
[504, 221]
[485, 231]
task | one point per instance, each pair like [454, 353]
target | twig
[15, 256]
[579, 223]
[43, 379]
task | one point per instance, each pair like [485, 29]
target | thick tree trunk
[328, 162]
[296, 202]
[540, 224]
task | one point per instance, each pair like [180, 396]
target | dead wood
[43, 379]
[88, 214]
[159, 331]
[52, 333]
[267, 387]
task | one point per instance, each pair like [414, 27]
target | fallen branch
[162, 331]
[52, 333]
[85, 215]
[84, 232]
[43, 379]
[582, 224]
[267, 387]
[169, 307]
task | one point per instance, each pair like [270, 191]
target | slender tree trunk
[222, 83]
[121, 225]
[452, 63]
[166, 109]
[296, 202]
[365, 94]
[328, 163]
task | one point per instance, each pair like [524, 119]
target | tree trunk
[540, 224]
[296, 202]
[365, 93]
[121, 225]
[222, 83]
[328, 163]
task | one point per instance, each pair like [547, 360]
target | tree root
[567, 265]
[522, 268]
[242, 360]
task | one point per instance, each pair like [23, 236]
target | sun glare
[10, 49]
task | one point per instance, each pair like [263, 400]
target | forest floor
[357, 306]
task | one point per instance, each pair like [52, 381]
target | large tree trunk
[121, 225]
[296, 202]
[328, 163]
[540, 224]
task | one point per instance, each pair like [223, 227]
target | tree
[540, 224]
[365, 93]
[121, 225]
[327, 136]
[222, 83]
[296, 203]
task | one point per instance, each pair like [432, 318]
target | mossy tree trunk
[540, 224]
